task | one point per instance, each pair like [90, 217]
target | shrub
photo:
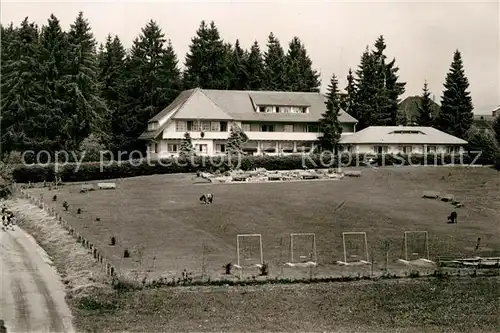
[14, 157]
[113, 170]
[90, 148]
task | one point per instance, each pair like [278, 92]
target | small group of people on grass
[8, 220]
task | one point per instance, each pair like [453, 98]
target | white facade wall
[398, 148]
[162, 147]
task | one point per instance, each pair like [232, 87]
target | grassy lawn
[423, 305]
[160, 219]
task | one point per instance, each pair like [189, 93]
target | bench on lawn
[106, 186]
[310, 176]
[430, 195]
[448, 197]
[86, 188]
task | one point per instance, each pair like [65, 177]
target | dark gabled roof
[182, 98]
[409, 108]
[170, 109]
[240, 105]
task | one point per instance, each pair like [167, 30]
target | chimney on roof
[494, 113]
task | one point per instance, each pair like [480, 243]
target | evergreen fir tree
[274, 66]
[85, 108]
[206, 62]
[393, 90]
[153, 81]
[377, 97]
[21, 90]
[7, 36]
[53, 58]
[349, 99]
[255, 68]
[329, 124]
[388, 89]
[111, 63]
[238, 68]
[456, 115]
[300, 74]
[366, 91]
[170, 76]
[424, 117]
[237, 139]
[186, 149]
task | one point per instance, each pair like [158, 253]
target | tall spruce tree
[238, 67]
[366, 91]
[255, 68]
[329, 124]
[85, 108]
[21, 90]
[274, 66]
[207, 61]
[53, 58]
[456, 115]
[153, 81]
[111, 63]
[349, 99]
[387, 85]
[7, 35]
[424, 116]
[300, 75]
[379, 88]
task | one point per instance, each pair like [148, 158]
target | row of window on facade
[411, 149]
[288, 147]
[222, 126]
[283, 109]
[267, 147]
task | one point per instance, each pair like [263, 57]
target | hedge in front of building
[73, 172]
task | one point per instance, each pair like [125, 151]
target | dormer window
[283, 109]
[407, 132]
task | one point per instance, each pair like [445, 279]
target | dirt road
[31, 293]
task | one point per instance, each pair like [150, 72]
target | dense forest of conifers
[60, 87]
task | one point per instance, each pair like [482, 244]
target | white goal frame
[238, 265]
[311, 261]
[405, 244]
[365, 262]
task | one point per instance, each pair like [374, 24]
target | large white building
[275, 123]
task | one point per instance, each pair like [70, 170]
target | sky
[422, 36]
